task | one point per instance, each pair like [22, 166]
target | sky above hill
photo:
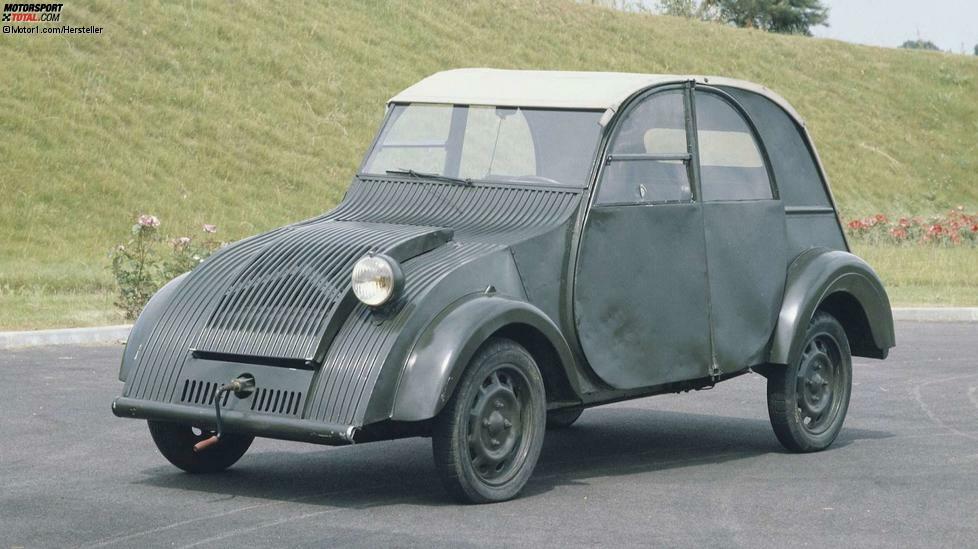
[947, 23]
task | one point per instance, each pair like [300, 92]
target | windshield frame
[585, 181]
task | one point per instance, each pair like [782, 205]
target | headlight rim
[397, 279]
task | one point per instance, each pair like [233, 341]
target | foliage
[782, 16]
[147, 261]
[955, 228]
[920, 44]
[679, 8]
[976, 49]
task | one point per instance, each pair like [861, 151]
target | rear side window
[646, 162]
[731, 164]
[799, 180]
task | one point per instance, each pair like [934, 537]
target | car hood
[280, 298]
[283, 296]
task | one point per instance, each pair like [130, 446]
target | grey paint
[813, 277]
[745, 294]
[641, 294]
[146, 323]
[440, 355]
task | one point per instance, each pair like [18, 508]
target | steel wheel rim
[500, 425]
[820, 384]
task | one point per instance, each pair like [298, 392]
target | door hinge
[715, 372]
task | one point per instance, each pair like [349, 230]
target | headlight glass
[376, 278]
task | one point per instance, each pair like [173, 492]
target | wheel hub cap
[495, 428]
[816, 386]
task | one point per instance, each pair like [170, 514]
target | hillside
[247, 115]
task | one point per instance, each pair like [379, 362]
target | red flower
[935, 229]
[857, 224]
[904, 222]
[898, 233]
[974, 228]
[880, 218]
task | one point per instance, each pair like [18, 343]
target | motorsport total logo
[24, 19]
[32, 13]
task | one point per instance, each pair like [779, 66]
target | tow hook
[242, 386]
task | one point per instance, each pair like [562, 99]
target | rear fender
[440, 355]
[842, 284]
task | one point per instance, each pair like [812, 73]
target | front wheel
[176, 442]
[807, 400]
[488, 437]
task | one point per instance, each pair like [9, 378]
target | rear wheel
[176, 442]
[487, 439]
[807, 401]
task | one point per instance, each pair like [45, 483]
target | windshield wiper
[438, 177]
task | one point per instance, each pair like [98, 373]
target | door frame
[601, 161]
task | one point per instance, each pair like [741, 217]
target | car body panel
[440, 355]
[615, 301]
[745, 295]
[641, 294]
[814, 277]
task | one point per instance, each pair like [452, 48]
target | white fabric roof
[554, 89]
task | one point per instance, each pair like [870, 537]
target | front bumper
[260, 425]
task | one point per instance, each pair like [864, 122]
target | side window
[646, 163]
[731, 164]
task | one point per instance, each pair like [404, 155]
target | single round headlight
[376, 279]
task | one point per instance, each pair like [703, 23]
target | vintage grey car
[518, 246]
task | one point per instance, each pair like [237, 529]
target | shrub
[955, 228]
[148, 260]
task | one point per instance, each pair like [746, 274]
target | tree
[920, 44]
[783, 16]
[976, 49]
[679, 8]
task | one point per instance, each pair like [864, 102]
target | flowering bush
[955, 228]
[148, 260]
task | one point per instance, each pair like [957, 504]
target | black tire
[487, 439]
[807, 401]
[176, 442]
[562, 419]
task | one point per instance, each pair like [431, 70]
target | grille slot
[276, 401]
[280, 304]
[196, 391]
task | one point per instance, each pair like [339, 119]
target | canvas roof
[553, 89]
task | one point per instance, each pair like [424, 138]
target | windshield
[488, 143]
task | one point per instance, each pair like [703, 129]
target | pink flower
[210, 228]
[181, 242]
[857, 224]
[148, 221]
[898, 233]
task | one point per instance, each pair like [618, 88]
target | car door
[641, 292]
[744, 221]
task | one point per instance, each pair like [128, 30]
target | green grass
[926, 275]
[248, 115]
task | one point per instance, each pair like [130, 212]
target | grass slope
[249, 115]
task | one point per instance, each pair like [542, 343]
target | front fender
[819, 276]
[145, 323]
[443, 350]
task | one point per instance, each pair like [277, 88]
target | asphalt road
[700, 469]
